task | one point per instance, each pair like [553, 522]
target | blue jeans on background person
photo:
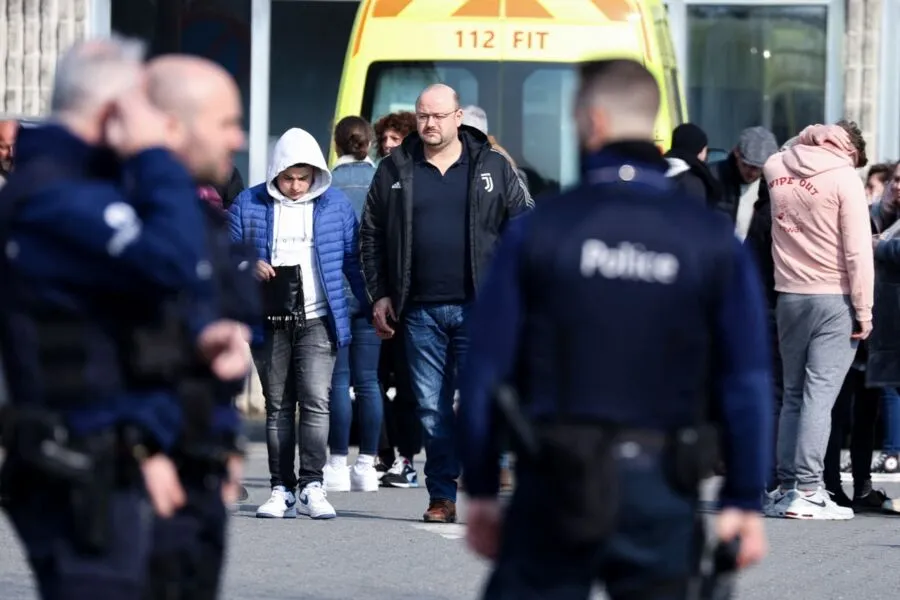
[357, 364]
[891, 403]
[436, 342]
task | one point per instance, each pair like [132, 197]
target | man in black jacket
[230, 190]
[434, 212]
[759, 242]
[740, 175]
[687, 165]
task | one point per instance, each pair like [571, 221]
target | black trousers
[44, 522]
[855, 411]
[652, 553]
[402, 428]
[189, 549]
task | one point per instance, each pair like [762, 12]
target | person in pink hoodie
[824, 276]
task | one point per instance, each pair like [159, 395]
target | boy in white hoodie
[296, 219]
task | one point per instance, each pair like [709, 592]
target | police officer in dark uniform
[203, 105]
[623, 316]
[106, 288]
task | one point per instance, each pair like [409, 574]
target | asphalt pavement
[379, 549]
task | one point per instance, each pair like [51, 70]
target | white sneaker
[776, 502]
[312, 502]
[363, 478]
[337, 478]
[816, 505]
[281, 505]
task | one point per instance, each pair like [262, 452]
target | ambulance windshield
[528, 106]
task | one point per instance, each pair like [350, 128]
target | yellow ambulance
[516, 59]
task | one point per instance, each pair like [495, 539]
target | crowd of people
[822, 235]
[820, 228]
[318, 230]
[367, 272]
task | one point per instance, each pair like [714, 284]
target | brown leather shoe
[440, 511]
[506, 480]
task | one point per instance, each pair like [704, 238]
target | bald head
[439, 93]
[617, 99]
[181, 84]
[204, 108]
[438, 118]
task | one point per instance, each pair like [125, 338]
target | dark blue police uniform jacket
[105, 243]
[240, 300]
[628, 303]
[84, 246]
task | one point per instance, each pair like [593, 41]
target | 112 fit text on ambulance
[516, 59]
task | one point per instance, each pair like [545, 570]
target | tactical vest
[59, 359]
[619, 307]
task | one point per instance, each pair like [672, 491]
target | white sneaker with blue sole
[312, 502]
[281, 505]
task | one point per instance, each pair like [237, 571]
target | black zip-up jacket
[496, 194]
[729, 177]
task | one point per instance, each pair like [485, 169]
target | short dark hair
[353, 136]
[623, 76]
[883, 171]
[857, 139]
[403, 122]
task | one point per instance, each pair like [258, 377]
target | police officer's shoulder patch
[123, 220]
[118, 215]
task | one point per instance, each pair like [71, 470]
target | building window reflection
[756, 65]
[307, 49]
[215, 29]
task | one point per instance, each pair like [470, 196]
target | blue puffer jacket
[334, 228]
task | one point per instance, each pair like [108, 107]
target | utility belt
[89, 469]
[582, 459]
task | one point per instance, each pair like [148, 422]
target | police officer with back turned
[107, 294]
[623, 316]
[203, 108]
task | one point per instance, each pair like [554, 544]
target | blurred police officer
[203, 109]
[622, 316]
[99, 229]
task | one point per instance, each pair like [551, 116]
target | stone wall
[32, 35]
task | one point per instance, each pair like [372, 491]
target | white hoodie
[292, 239]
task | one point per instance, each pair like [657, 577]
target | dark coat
[883, 364]
[759, 242]
[729, 177]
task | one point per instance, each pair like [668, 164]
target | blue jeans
[357, 364]
[891, 399]
[436, 342]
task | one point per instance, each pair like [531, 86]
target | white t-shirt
[293, 244]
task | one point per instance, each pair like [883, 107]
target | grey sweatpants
[816, 352]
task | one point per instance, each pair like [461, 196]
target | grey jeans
[816, 352]
[295, 368]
